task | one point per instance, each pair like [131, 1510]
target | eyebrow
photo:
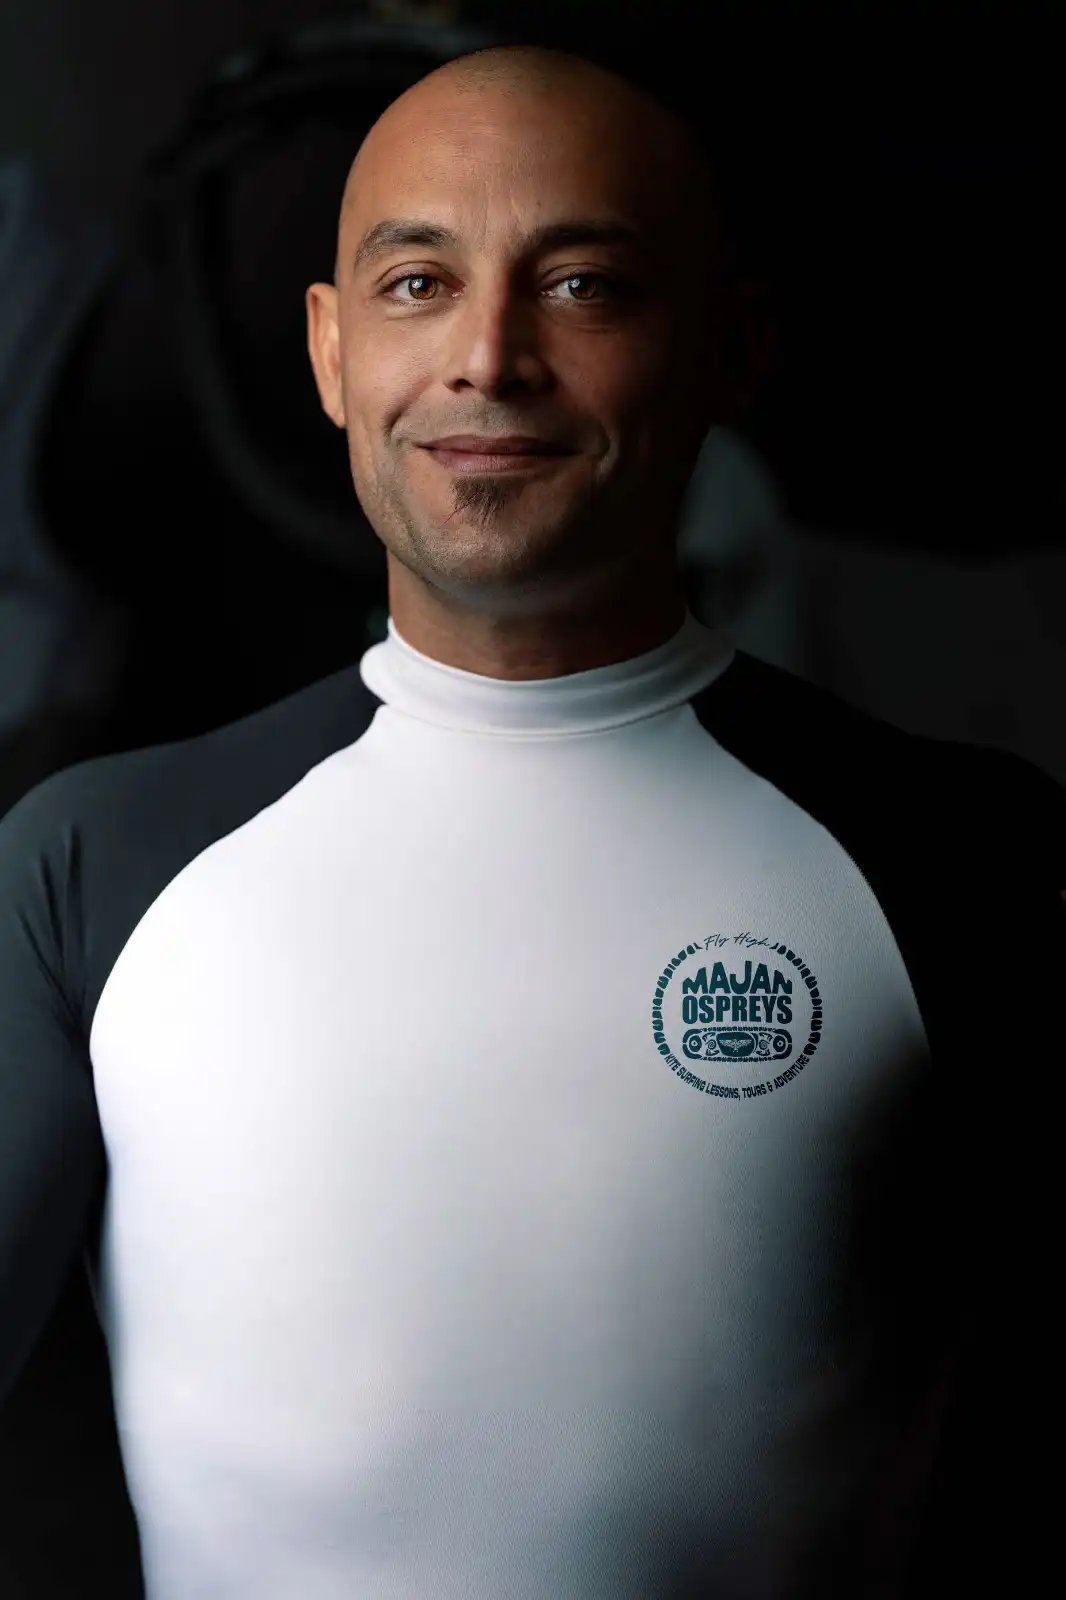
[396, 233]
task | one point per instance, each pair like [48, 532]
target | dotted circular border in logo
[735, 1091]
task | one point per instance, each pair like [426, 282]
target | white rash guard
[519, 1131]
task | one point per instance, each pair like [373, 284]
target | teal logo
[728, 1011]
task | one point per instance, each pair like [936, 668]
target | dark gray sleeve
[52, 1158]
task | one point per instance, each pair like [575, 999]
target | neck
[530, 644]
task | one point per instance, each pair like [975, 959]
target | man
[519, 1097]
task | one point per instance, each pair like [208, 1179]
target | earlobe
[323, 346]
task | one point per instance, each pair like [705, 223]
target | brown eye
[413, 278]
[579, 277]
[603, 288]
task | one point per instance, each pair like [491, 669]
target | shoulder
[85, 852]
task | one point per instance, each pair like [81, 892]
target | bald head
[644, 132]
[520, 67]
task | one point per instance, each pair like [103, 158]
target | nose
[493, 344]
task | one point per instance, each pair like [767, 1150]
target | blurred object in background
[741, 561]
[61, 640]
[971, 650]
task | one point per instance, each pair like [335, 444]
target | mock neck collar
[579, 702]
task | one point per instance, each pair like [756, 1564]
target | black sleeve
[52, 1158]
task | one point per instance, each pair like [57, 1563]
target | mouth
[495, 452]
[499, 461]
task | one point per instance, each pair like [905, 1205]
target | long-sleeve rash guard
[539, 1139]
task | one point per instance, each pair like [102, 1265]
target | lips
[526, 461]
[505, 445]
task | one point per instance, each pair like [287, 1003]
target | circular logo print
[737, 1015]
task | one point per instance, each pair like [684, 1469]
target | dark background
[905, 194]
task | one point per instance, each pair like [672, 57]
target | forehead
[518, 156]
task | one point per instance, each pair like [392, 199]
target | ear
[324, 348]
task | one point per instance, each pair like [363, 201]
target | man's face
[494, 327]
